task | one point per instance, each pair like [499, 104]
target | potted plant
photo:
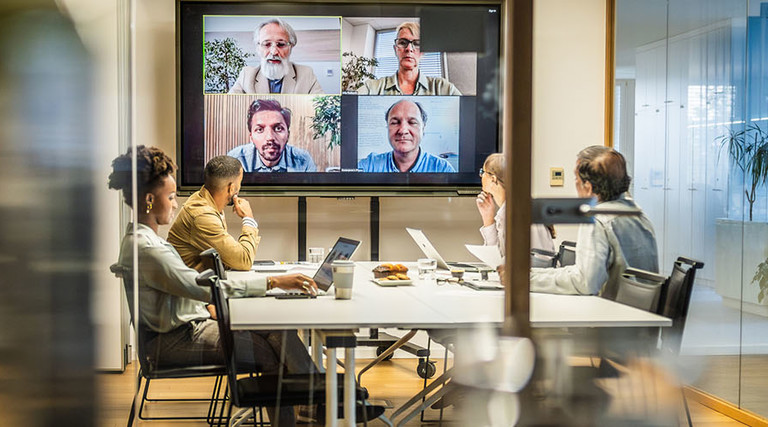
[742, 246]
[748, 150]
[223, 61]
[327, 119]
[355, 71]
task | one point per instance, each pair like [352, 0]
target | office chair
[566, 255]
[267, 390]
[674, 296]
[543, 259]
[675, 299]
[150, 371]
[640, 289]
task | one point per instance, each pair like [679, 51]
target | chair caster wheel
[381, 349]
[426, 370]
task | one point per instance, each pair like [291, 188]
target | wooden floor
[395, 381]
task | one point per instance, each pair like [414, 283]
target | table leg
[349, 387]
[331, 398]
[317, 350]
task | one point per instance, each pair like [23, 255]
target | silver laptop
[430, 252]
[343, 249]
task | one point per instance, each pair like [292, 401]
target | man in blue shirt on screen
[269, 129]
[405, 121]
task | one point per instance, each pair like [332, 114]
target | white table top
[427, 305]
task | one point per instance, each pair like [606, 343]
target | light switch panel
[556, 178]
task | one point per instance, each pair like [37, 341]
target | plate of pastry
[393, 282]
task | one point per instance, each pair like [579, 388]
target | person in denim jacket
[610, 245]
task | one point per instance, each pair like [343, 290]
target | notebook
[430, 252]
[343, 249]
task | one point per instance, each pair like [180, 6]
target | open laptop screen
[343, 249]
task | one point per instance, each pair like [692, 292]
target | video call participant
[269, 127]
[277, 74]
[201, 225]
[610, 245]
[177, 328]
[408, 80]
[405, 121]
[493, 196]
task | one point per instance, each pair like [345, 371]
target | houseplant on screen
[223, 61]
[327, 119]
[742, 245]
[356, 70]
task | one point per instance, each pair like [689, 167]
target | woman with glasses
[493, 196]
[408, 80]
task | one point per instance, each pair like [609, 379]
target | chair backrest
[210, 279]
[640, 289]
[567, 253]
[675, 298]
[215, 262]
[126, 274]
[543, 259]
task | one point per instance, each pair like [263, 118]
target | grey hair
[280, 22]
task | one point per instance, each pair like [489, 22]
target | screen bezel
[370, 185]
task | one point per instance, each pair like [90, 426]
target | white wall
[568, 90]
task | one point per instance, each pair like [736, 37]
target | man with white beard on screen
[275, 39]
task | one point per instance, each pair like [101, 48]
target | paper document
[487, 254]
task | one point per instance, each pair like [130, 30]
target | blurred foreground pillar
[46, 344]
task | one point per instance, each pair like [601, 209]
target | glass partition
[690, 115]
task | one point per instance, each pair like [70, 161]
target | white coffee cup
[343, 278]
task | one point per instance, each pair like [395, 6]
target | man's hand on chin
[242, 208]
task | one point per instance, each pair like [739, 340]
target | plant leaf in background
[761, 278]
[355, 71]
[223, 61]
[748, 150]
[327, 119]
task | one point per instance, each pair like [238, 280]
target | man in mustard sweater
[201, 225]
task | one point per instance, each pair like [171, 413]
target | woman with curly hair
[176, 325]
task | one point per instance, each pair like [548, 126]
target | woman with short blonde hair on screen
[408, 80]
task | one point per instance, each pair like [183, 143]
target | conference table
[423, 305]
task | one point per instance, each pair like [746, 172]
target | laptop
[343, 249]
[430, 252]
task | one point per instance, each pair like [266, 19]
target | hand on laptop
[295, 282]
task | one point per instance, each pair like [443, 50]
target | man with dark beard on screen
[275, 40]
[269, 126]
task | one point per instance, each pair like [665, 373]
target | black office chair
[150, 371]
[675, 299]
[566, 255]
[543, 259]
[640, 289]
[268, 390]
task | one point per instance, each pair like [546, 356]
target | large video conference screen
[343, 97]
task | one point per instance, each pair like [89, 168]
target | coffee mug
[343, 278]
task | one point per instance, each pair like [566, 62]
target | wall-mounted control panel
[556, 178]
